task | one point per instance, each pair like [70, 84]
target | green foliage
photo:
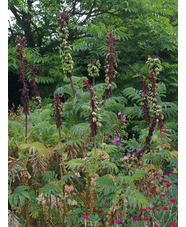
[75, 164]
[19, 195]
[105, 184]
[34, 207]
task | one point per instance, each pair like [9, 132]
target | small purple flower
[119, 144]
[117, 222]
[128, 155]
[113, 141]
[119, 113]
[116, 139]
[123, 118]
[106, 137]
[138, 150]
[124, 126]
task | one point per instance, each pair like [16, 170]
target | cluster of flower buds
[150, 97]
[65, 49]
[94, 117]
[35, 92]
[57, 109]
[22, 65]
[154, 64]
[93, 67]
[111, 64]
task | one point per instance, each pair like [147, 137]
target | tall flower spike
[35, 91]
[65, 49]
[111, 64]
[22, 65]
[57, 109]
[94, 117]
[154, 67]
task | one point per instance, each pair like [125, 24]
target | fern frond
[75, 141]
[132, 94]
[35, 148]
[81, 129]
[135, 198]
[111, 166]
[49, 176]
[105, 184]
[75, 164]
[34, 207]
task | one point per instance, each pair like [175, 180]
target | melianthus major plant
[67, 173]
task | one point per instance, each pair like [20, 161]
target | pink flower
[85, 217]
[165, 208]
[154, 226]
[117, 138]
[172, 223]
[168, 185]
[169, 171]
[145, 219]
[106, 137]
[119, 113]
[155, 174]
[74, 205]
[79, 216]
[176, 210]
[164, 181]
[119, 144]
[127, 212]
[58, 207]
[136, 219]
[142, 209]
[153, 191]
[162, 195]
[128, 155]
[150, 208]
[162, 176]
[124, 126]
[101, 211]
[168, 174]
[123, 118]
[173, 200]
[117, 222]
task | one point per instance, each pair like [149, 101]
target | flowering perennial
[94, 117]
[22, 72]
[111, 63]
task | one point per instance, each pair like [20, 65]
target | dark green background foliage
[142, 28]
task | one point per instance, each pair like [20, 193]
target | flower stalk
[65, 49]
[110, 66]
[22, 72]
